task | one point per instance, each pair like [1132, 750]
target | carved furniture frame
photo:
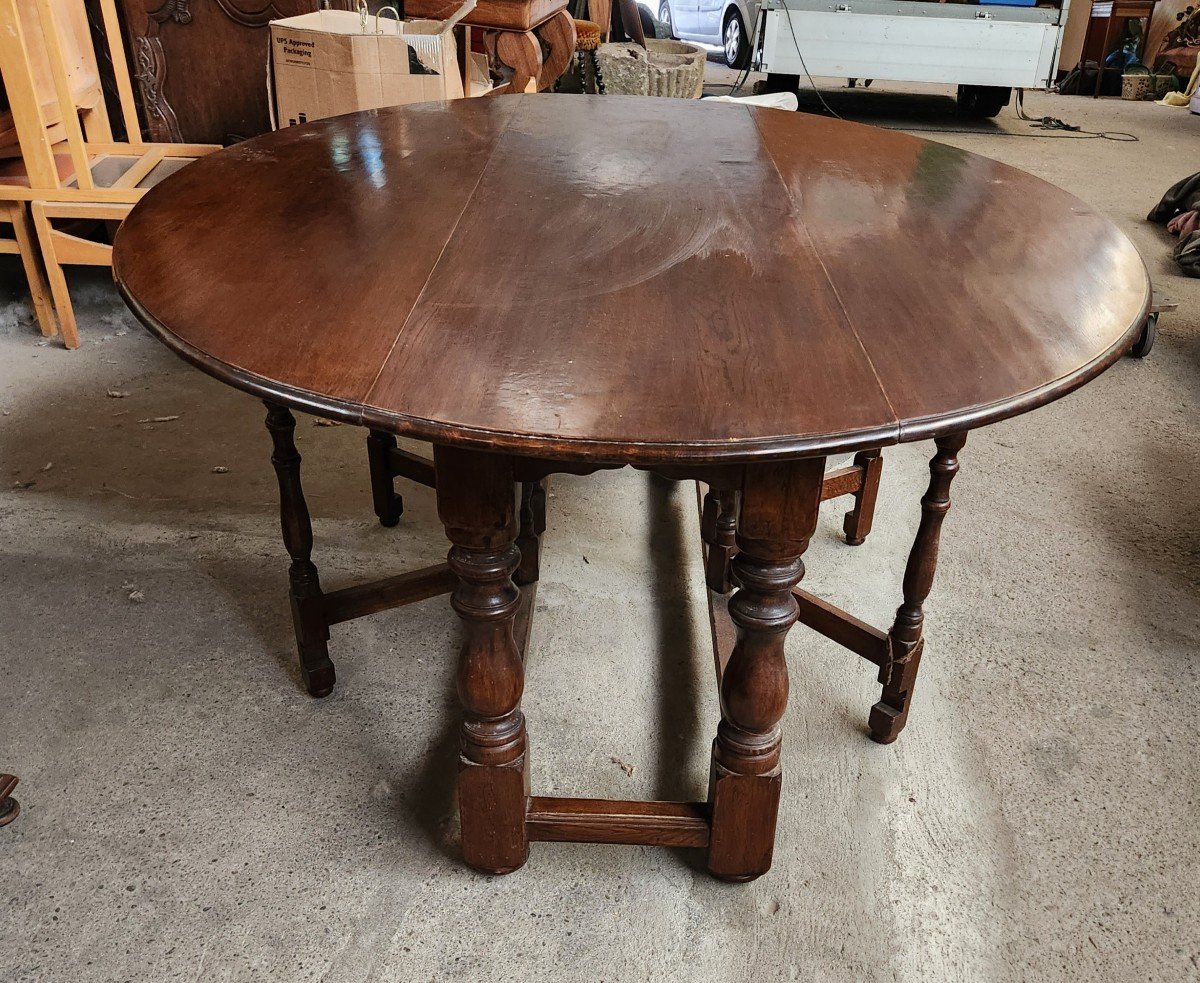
[150, 60]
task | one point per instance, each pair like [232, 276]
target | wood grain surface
[630, 280]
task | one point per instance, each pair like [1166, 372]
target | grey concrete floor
[190, 814]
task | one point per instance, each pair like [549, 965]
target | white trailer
[986, 51]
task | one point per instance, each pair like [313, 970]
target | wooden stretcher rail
[402, 464]
[617, 821]
[141, 168]
[842, 627]
[406, 588]
[843, 481]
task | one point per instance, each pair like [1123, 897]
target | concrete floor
[190, 814]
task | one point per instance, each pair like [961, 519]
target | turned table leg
[389, 506]
[308, 615]
[718, 528]
[857, 524]
[778, 513]
[477, 504]
[905, 641]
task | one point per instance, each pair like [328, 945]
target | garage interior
[188, 811]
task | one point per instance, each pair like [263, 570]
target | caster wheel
[1141, 347]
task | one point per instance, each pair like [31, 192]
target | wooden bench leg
[558, 35]
[779, 504]
[56, 277]
[520, 51]
[898, 674]
[308, 605]
[35, 272]
[857, 524]
[389, 506]
[477, 503]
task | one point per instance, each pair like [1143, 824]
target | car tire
[664, 18]
[735, 41]
[984, 101]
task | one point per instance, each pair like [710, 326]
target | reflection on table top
[630, 279]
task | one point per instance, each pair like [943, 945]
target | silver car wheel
[733, 40]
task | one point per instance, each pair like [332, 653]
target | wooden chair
[69, 167]
[23, 243]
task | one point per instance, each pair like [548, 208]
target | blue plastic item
[1008, 3]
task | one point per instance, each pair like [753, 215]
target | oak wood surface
[630, 280]
[406, 588]
[566, 820]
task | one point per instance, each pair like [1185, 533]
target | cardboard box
[331, 62]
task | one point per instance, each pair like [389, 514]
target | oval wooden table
[540, 284]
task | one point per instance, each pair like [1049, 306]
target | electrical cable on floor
[1063, 133]
[1059, 129]
[736, 86]
[808, 75]
[1054, 123]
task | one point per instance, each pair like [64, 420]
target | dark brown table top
[630, 279]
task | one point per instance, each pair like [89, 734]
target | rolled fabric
[1185, 223]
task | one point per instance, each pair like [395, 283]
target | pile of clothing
[1180, 210]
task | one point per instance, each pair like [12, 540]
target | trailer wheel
[983, 100]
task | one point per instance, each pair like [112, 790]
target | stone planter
[673, 69]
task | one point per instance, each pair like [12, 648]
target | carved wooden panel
[200, 66]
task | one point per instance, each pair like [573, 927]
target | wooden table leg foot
[389, 506]
[477, 504]
[890, 714]
[10, 808]
[308, 606]
[320, 680]
[857, 524]
[898, 673]
[778, 514]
